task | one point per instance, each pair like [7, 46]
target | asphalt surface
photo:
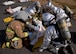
[24, 50]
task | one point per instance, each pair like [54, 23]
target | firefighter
[60, 15]
[15, 33]
[19, 11]
[50, 32]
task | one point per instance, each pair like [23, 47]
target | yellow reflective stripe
[9, 30]
[26, 34]
[8, 44]
[15, 39]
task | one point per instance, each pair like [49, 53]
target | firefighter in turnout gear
[15, 33]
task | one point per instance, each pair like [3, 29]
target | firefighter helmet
[37, 3]
[31, 10]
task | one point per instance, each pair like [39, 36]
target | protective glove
[30, 33]
[26, 34]
[30, 25]
[36, 28]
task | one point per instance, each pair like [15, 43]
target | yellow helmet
[7, 19]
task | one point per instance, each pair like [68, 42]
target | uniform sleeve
[20, 33]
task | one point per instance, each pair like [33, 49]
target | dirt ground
[61, 3]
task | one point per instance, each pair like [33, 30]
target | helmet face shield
[47, 17]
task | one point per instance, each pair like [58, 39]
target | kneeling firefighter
[50, 33]
[15, 33]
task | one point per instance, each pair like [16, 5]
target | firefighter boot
[5, 45]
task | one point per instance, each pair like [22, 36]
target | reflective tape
[26, 34]
[8, 44]
[9, 30]
[15, 39]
